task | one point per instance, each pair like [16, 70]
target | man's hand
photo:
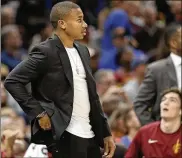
[109, 147]
[45, 122]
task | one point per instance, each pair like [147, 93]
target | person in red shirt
[161, 139]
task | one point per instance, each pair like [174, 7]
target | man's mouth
[165, 109]
[84, 31]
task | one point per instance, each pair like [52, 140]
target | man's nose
[166, 102]
[85, 24]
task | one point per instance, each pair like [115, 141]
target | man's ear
[62, 24]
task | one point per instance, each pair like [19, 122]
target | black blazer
[49, 71]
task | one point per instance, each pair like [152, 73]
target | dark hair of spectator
[60, 10]
[170, 32]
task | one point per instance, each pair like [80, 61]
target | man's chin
[79, 38]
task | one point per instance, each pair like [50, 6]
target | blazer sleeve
[106, 129]
[146, 97]
[24, 73]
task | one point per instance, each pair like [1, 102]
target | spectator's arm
[145, 98]
[27, 71]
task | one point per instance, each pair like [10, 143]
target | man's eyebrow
[80, 16]
[174, 98]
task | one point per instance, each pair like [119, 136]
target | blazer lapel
[64, 59]
[83, 59]
[171, 72]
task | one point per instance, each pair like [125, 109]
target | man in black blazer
[64, 107]
[160, 75]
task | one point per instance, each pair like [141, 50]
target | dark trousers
[72, 146]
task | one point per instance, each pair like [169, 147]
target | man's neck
[171, 126]
[65, 39]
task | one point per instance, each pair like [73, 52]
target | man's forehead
[76, 12]
[171, 95]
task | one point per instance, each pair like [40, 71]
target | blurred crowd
[123, 37]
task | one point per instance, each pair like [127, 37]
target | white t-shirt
[80, 122]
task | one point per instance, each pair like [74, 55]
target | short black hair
[60, 10]
[169, 32]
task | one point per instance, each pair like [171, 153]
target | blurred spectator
[4, 72]
[46, 32]
[132, 124]
[7, 111]
[122, 43]
[118, 21]
[124, 59]
[107, 88]
[8, 138]
[131, 87]
[110, 104]
[104, 79]
[7, 15]
[12, 53]
[94, 62]
[108, 58]
[31, 15]
[176, 9]
[133, 9]
[161, 138]
[160, 75]
[11, 144]
[148, 37]
[117, 122]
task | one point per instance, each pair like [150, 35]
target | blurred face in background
[119, 39]
[13, 40]
[150, 17]
[132, 7]
[105, 82]
[176, 8]
[175, 42]
[126, 58]
[171, 106]
[7, 16]
[47, 31]
[132, 120]
[140, 70]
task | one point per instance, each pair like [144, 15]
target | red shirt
[151, 142]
